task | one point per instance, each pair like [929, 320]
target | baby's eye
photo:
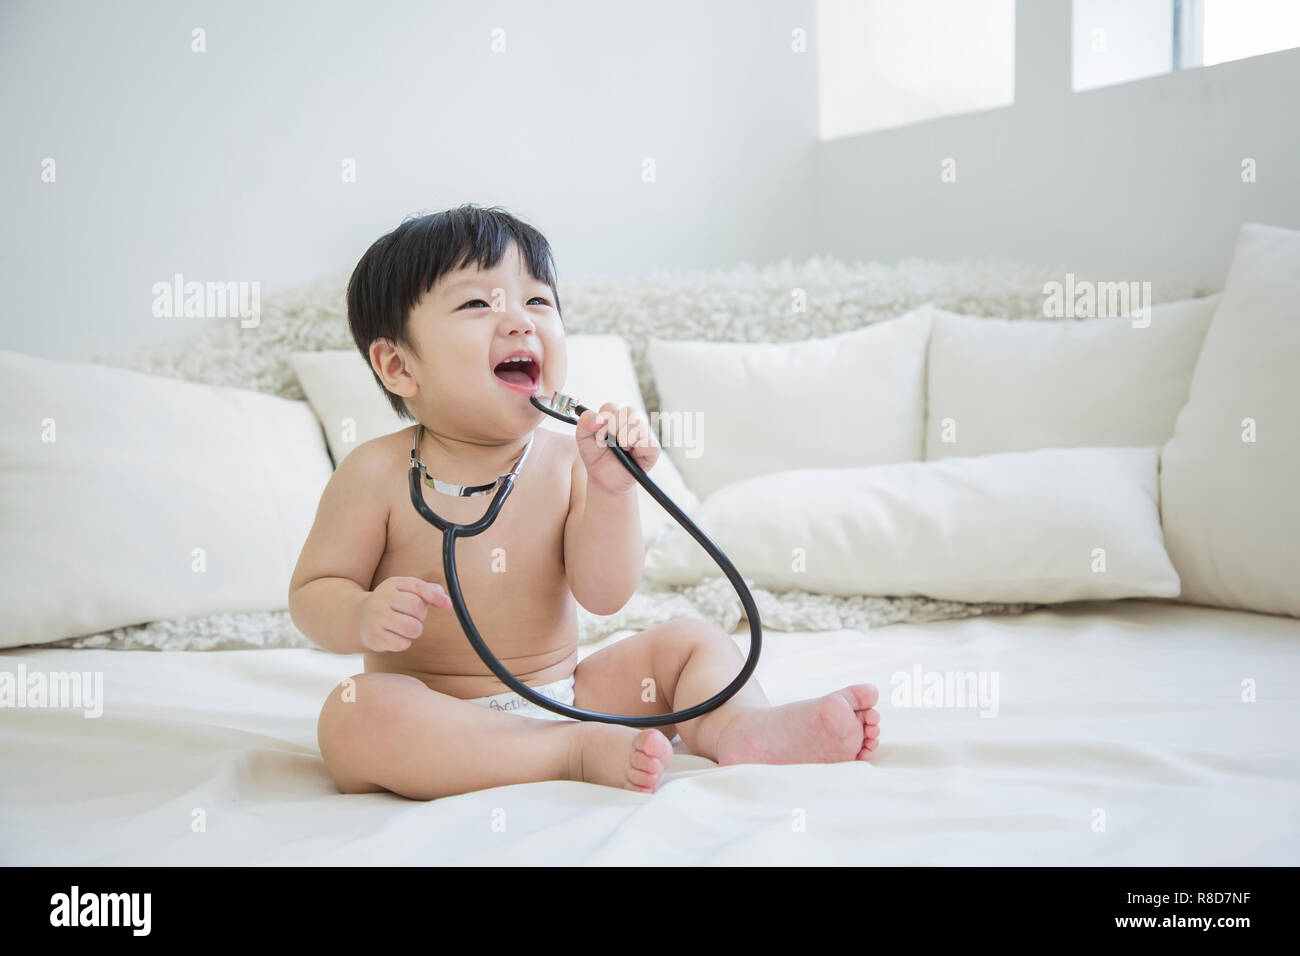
[537, 298]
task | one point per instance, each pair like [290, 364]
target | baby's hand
[392, 615]
[604, 470]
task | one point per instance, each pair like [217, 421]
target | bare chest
[511, 577]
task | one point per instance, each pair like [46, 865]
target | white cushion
[999, 385]
[352, 409]
[1042, 526]
[1230, 474]
[853, 399]
[127, 498]
[343, 394]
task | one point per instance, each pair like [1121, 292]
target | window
[1236, 29]
[1115, 41]
[883, 63]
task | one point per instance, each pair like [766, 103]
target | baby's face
[465, 328]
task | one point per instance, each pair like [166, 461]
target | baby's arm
[329, 596]
[603, 550]
[604, 554]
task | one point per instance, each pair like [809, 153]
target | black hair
[403, 265]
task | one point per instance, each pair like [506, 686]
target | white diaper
[511, 703]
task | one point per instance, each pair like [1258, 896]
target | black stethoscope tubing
[450, 532]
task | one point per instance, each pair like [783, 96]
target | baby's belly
[522, 606]
[443, 659]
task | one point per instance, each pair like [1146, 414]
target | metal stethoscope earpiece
[568, 409]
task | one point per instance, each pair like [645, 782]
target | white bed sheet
[1131, 708]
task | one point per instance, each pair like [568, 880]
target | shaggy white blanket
[742, 304]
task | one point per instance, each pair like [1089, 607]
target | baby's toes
[864, 696]
[644, 762]
[870, 733]
[643, 780]
[644, 771]
[652, 743]
[651, 752]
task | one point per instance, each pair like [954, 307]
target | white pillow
[1043, 526]
[127, 498]
[1000, 385]
[750, 408]
[1231, 473]
[351, 408]
[350, 404]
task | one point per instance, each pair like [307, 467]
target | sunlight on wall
[882, 63]
[1115, 41]
[1236, 29]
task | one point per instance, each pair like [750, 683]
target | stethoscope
[560, 406]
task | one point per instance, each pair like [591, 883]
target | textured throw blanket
[744, 304]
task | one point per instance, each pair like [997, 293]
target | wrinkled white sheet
[1131, 709]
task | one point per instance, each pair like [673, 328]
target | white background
[225, 166]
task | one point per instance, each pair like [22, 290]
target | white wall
[1135, 181]
[225, 166]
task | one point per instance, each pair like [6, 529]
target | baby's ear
[378, 353]
[389, 365]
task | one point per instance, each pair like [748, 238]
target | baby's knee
[357, 709]
[693, 631]
[685, 638]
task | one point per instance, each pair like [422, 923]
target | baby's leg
[391, 732]
[686, 661]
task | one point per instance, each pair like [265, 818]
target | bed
[1123, 737]
[1065, 551]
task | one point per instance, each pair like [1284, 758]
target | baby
[440, 307]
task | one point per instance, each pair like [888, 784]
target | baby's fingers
[425, 591]
[639, 434]
[589, 422]
[404, 602]
[403, 625]
[392, 641]
[592, 427]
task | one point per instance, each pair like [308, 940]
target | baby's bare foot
[838, 727]
[618, 756]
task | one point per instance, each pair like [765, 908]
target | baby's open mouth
[521, 372]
